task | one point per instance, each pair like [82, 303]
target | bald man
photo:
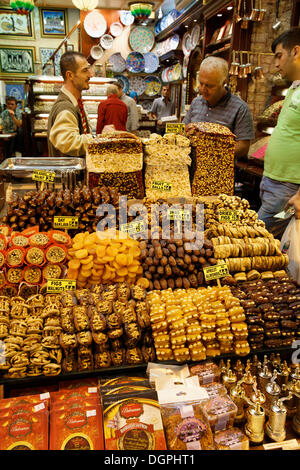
[112, 112]
[217, 104]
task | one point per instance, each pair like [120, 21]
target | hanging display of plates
[147, 105]
[125, 82]
[137, 84]
[117, 62]
[95, 24]
[153, 85]
[106, 41]
[195, 35]
[185, 66]
[116, 29]
[96, 52]
[135, 62]
[151, 62]
[176, 72]
[141, 39]
[126, 17]
[186, 44]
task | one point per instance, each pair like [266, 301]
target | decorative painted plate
[147, 105]
[141, 39]
[117, 62]
[126, 17]
[176, 72]
[195, 35]
[151, 62]
[186, 44]
[95, 24]
[96, 52]
[137, 84]
[116, 29]
[106, 41]
[185, 65]
[173, 42]
[153, 85]
[125, 82]
[135, 62]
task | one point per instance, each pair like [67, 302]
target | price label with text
[178, 214]
[43, 176]
[59, 285]
[65, 222]
[175, 128]
[228, 215]
[161, 186]
[215, 272]
[137, 226]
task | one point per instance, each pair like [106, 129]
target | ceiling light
[229, 8]
[85, 5]
[219, 14]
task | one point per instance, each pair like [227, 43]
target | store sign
[133, 227]
[55, 286]
[216, 272]
[172, 128]
[65, 222]
[161, 186]
[228, 215]
[178, 214]
[43, 176]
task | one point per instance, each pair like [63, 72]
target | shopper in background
[132, 123]
[162, 107]
[68, 127]
[11, 119]
[112, 112]
[217, 104]
[281, 178]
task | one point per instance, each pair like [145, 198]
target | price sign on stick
[65, 222]
[43, 176]
[216, 272]
[161, 186]
[178, 214]
[175, 128]
[55, 286]
[134, 227]
[227, 215]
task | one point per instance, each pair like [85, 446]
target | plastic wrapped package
[215, 389]
[231, 439]
[220, 412]
[26, 432]
[207, 372]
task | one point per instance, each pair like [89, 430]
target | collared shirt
[7, 121]
[231, 111]
[64, 134]
[132, 123]
[112, 111]
[162, 109]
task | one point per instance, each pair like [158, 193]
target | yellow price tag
[161, 186]
[175, 128]
[131, 228]
[55, 286]
[44, 176]
[178, 214]
[65, 222]
[228, 215]
[215, 272]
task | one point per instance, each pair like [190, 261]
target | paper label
[228, 215]
[178, 214]
[59, 285]
[161, 186]
[137, 226]
[44, 396]
[175, 128]
[39, 407]
[65, 222]
[91, 413]
[44, 176]
[285, 445]
[215, 272]
[92, 390]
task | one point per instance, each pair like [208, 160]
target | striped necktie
[83, 117]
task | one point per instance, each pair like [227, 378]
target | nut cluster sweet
[214, 146]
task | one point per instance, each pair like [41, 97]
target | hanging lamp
[141, 10]
[85, 5]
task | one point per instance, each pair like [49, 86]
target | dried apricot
[80, 254]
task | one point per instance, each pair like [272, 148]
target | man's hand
[11, 112]
[295, 201]
[159, 122]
